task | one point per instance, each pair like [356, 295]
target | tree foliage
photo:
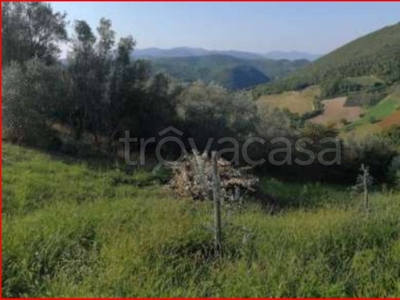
[31, 29]
[212, 111]
[34, 94]
[102, 92]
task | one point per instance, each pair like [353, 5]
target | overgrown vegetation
[102, 92]
[77, 229]
[79, 223]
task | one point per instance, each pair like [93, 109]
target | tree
[124, 90]
[211, 111]
[34, 95]
[81, 62]
[90, 65]
[32, 29]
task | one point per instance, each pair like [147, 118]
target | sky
[316, 28]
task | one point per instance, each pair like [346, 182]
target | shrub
[374, 151]
[393, 134]
[373, 120]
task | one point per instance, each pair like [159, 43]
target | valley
[179, 172]
[229, 71]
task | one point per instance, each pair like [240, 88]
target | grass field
[392, 120]
[336, 111]
[84, 229]
[360, 133]
[381, 116]
[380, 111]
[297, 102]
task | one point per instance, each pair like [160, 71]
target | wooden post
[217, 204]
[200, 170]
[365, 183]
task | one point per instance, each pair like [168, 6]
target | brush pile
[193, 177]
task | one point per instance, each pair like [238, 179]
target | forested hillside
[231, 72]
[190, 51]
[377, 54]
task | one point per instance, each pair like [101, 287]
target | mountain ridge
[229, 71]
[374, 54]
[154, 52]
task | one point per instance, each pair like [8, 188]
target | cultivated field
[296, 102]
[380, 111]
[360, 133]
[336, 112]
[391, 120]
[379, 117]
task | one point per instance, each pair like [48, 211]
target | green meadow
[87, 229]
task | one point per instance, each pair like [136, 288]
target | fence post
[201, 174]
[217, 204]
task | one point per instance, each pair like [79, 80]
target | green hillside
[234, 73]
[85, 229]
[376, 54]
[380, 111]
[239, 77]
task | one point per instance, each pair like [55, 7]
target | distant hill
[240, 77]
[231, 72]
[291, 55]
[188, 51]
[376, 54]
[174, 52]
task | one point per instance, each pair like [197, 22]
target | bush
[374, 151]
[313, 113]
[393, 134]
[373, 120]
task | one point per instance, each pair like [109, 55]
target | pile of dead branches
[193, 177]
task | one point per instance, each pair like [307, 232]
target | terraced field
[336, 112]
[391, 120]
[297, 102]
[381, 116]
[380, 111]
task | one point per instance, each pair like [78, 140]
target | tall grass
[72, 229]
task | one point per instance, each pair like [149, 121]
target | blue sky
[257, 27]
